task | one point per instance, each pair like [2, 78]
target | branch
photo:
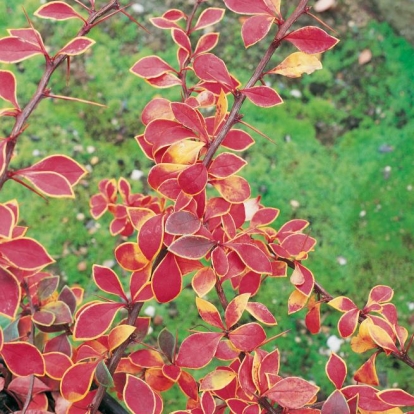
[41, 91]
[301, 9]
[116, 357]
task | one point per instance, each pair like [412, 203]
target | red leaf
[10, 293]
[25, 253]
[29, 35]
[313, 318]
[94, 319]
[77, 46]
[233, 189]
[226, 164]
[255, 28]
[297, 245]
[203, 281]
[198, 349]
[219, 261]
[23, 359]
[181, 39]
[208, 17]
[167, 80]
[167, 279]
[263, 96]
[216, 380]
[368, 397]
[62, 165]
[311, 39]
[151, 67]
[151, 236]
[264, 217]
[191, 247]
[206, 43]
[3, 152]
[77, 381]
[193, 180]
[348, 323]
[182, 222]
[247, 6]
[235, 309]
[292, 392]
[163, 23]
[130, 257]
[57, 10]
[380, 294]
[336, 403]
[237, 140]
[252, 257]
[261, 313]
[14, 49]
[336, 370]
[209, 67]
[396, 397]
[49, 183]
[247, 337]
[138, 396]
[190, 118]
[57, 364]
[188, 385]
[107, 280]
[8, 87]
[7, 221]
[209, 313]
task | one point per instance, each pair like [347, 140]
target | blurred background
[341, 156]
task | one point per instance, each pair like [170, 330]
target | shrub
[62, 352]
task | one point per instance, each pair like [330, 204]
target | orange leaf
[296, 64]
[367, 374]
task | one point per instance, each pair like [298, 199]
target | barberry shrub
[64, 353]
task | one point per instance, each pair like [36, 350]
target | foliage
[61, 352]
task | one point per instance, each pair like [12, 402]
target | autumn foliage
[62, 352]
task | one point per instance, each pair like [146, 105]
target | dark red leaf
[336, 370]
[25, 253]
[23, 359]
[167, 279]
[191, 247]
[151, 235]
[95, 319]
[238, 140]
[311, 39]
[182, 223]
[292, 392]
[193, 179]
[198, 349]
[107, 280]
[263, 96]
[336, 403]
[226, 164]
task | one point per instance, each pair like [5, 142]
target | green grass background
[327, 154]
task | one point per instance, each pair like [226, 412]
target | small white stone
[334, 343]
[80, 216]
[150, 311]
[109, 263]
[136, 175]
[409, 187]
[294, 203]
[138, 8]
[341, 260]
[362, 213]
[90, 149]
[36, 153]
[410, 306]
[296, 93]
